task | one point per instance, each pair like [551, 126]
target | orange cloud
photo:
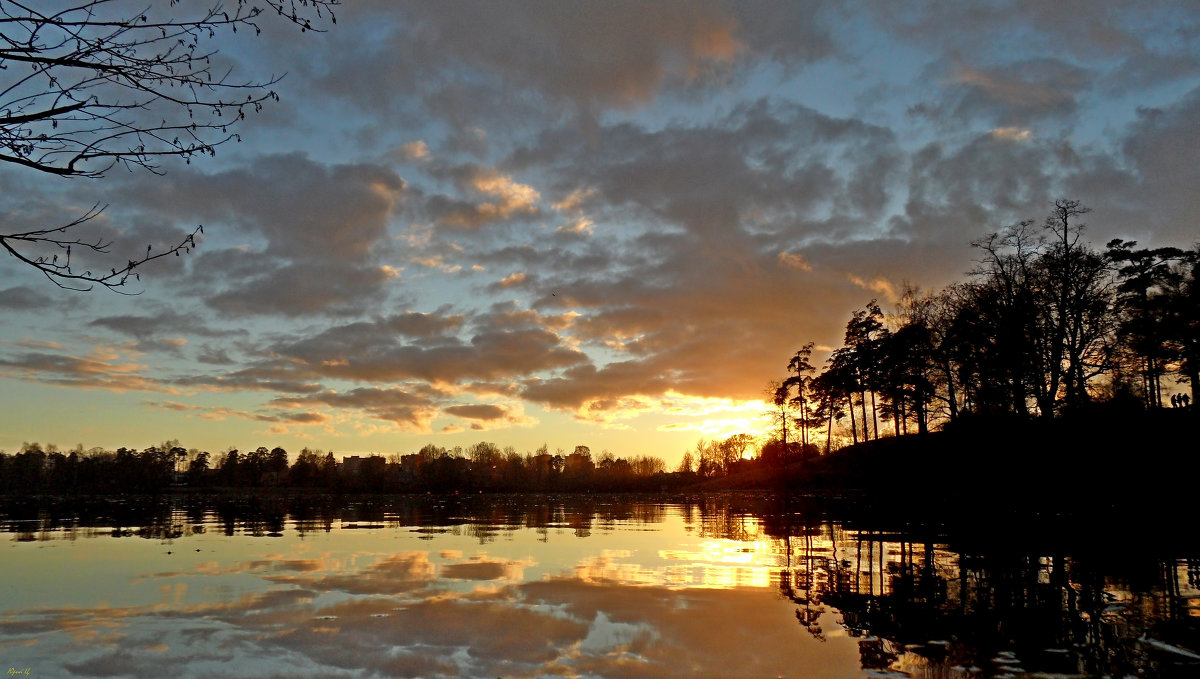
[512, 280]
[794, 260]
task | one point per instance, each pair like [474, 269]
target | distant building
[410, 463]
[350, 465]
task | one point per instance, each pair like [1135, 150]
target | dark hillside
[1102, 460]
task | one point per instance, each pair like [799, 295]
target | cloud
[408, 411]
[574, 200]
[1011, 133]
[268, 375]
[218, 413]
[1075, 28]
[512, 280]
[414, 150]
[149, 330]
[581, 226]
[39, 344]
[21, 298]
[214, 355]
[304, 209]
[488, 416]
[324, 228]
[105, 368]
[477, 411]
[612, 54]
[693, 300]
[509, 198]
[652, 223]
[1019, 93]
[880, 286]
[305, 289]
[1163, 145]
[513, 197]
[373, 351]
[766, 165]
[794, 260]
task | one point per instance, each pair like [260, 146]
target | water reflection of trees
[915, 602]
[1000, 598]
[264, 515]
[737, 517]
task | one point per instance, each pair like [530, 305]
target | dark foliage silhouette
[1045, 325]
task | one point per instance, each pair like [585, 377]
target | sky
[602, 224]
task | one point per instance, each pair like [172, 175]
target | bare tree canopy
[87, 86]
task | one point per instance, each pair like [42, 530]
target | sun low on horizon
[599, 224]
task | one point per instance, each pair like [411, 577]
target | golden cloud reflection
[673, 592]
[439, 612]
[713, 564]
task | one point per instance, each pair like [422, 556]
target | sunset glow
[581, 224]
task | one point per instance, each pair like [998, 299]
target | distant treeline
[1046, 324]
[481, 467]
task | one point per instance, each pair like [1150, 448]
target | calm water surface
[598, 586]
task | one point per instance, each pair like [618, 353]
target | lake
[720, 585]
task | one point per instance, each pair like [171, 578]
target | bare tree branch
[58, 267]
[100, 83]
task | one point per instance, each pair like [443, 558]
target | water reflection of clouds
[401, 572]
[482, 568]
[400, 617]
[216, 568]
[669, 602]
[610, 630]
[393, 573]
[618, 612]
[705, 608]
[607, 569]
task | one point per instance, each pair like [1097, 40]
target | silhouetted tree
[730, 451]
[277, 463]
[230, 469]
[801, 369]
[329, 471]
[1076, 305]
[841, 378]
[1145, 280]
[999, 320]
[777, 392]
[825, 390]
[864, 332]
[1045, 321]
[1042, 309]
[305, 472]
[197, 469]
[1188, 309]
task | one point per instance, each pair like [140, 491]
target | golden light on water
[708, 582]
[724, 564]
[717, 564]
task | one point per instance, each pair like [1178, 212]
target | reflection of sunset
[719, 564]
[655, 589]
